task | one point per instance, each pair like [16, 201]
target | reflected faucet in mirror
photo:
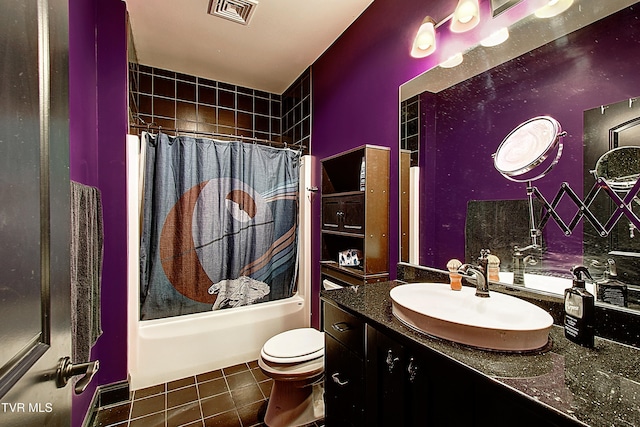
[520, 261]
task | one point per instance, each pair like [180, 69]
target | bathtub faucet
[478, 274]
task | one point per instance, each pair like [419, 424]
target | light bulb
[424, 40]
[553, 8]
[466, 12]
[453, 61]
[424, 43]
[466, 16]
[496, 38]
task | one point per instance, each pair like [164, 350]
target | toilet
[295, 361]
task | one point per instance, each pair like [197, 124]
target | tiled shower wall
[410, 127]
[194, 105]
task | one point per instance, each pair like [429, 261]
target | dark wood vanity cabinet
[376, 377]
[355, 214]
[345, 369]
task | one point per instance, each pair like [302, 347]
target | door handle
[336, 379]
[391, 361]
[66, 370]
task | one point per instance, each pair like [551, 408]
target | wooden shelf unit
[355, 217]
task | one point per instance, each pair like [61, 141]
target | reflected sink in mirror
[500, 322]
[549, 284]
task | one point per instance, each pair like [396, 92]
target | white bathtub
[173, 348]
[167, 349]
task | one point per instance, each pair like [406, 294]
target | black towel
[86, 269]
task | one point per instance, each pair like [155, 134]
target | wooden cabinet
[376, 377]
[355, 214]
[345, 369]
[343, 213]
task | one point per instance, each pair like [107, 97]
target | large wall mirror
[583, 69]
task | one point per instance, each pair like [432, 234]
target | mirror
[569, 67]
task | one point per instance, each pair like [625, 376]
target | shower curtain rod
[247, 139]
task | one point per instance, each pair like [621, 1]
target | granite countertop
[598, 387]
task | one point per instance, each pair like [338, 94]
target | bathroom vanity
[379, 372]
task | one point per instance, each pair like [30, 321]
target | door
[34, 212]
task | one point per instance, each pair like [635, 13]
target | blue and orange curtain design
[219, 225]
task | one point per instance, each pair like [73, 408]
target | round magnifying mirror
[619, 167]
[526, 154]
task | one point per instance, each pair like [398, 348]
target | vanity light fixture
[466, 16]
[424, 44]
[496, 38]
[553, 8]
[453, 61]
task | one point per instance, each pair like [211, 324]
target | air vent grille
[234, 10]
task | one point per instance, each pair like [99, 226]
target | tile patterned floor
[231, 397]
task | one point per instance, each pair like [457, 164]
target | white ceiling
[283, 38]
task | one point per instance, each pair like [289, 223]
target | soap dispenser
[609, 289]
[579, 307]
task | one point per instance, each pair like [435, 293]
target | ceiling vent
[234, 10]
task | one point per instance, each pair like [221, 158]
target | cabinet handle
[412, 369]
[336, 379]
[391, 361]
[341, 327]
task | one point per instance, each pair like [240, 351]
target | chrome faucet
[519, 262]
[478, 273]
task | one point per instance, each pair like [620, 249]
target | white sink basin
[500, 322]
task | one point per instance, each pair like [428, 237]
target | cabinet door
[344, 385]
[331, 214]
[353, 214]
[389, 362]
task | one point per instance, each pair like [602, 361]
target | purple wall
[356, 81]
[98, 125]
[588, 68]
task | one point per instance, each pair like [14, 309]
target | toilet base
[294, 403]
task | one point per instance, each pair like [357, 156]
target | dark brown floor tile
[183, 414]
[216, 405]
[155, 420]
[266, 387]
[246, 395]
[149, 391]
[211, 388]
[240, 380]
[148, 406]
[235, 369]
[184, 382]
[227, 419]
[208, 376]
[198, 423]
[253, 364]
[182, 396]
[112, 415]
[253, 414]
[259, 375]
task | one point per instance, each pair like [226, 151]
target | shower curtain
[219, 225]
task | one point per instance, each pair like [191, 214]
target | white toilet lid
[296, 345]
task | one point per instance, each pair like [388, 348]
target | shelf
[333, 269]
[343, 194]
[344, 234]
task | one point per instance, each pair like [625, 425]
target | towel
[86, 269]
